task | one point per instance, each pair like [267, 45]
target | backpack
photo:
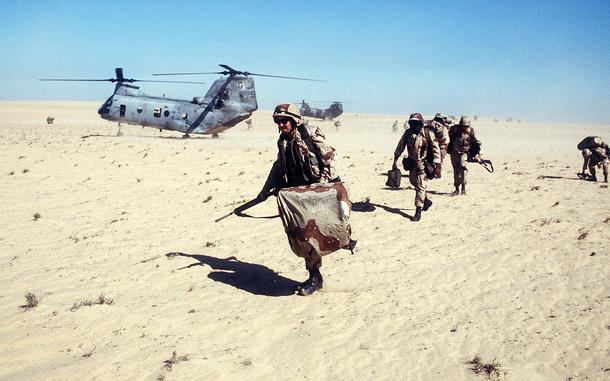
[311, 146]
[590, 142]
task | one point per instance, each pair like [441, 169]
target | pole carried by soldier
[312, 201]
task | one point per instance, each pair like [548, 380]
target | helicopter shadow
[146, 136]
[250, 277]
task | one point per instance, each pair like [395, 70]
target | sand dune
[517, 271]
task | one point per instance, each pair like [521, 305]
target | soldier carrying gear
[422, 149]
[441, 132]
[304, 159]
[463, 147]
[595, 152]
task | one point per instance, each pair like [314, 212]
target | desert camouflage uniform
[596, 157]
[441, 133]
[316, 220]
[417, 146]
[462, 138]
[296, 165]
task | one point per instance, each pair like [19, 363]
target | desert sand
[116, 239]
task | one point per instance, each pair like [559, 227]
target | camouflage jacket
[420, 146]
[463, 140]
[304, 159]
[441, 132]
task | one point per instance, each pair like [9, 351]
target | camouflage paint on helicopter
[334, 110]
[227, 102]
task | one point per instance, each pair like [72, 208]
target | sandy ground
[516, 271]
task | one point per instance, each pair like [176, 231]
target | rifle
[487, 164]
[240, 209]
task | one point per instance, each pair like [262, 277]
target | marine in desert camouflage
[463, 146]
[312, 201]
[595, 153]
[422, 147]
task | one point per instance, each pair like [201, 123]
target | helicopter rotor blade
[152, 81]
[211, 72]
[230, 71]
[78, 80]
[284, 77]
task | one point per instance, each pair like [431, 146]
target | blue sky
[535, 60]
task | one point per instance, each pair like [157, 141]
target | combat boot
[313, 283]
[463, 189]
[456, 192]
[606, 178]
[427, 204]
[417, 215]
[592, 178]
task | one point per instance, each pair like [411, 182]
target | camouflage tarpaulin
[315, 217]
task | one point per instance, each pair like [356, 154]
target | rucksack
[590, 142]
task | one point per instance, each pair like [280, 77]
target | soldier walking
[439, 127]
[463, 146]
[303, 158]
[421, 145]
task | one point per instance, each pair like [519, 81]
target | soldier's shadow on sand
[368, 206]
[250, 277]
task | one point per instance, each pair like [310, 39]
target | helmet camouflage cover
[287, 110]
[465, 121]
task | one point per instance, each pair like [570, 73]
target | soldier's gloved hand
[394, 166]
[437, 170]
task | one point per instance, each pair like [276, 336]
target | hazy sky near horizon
[533, 60]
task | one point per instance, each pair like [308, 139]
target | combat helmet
[440, 117]
[416, 117]
[287, 110]
[464, 121]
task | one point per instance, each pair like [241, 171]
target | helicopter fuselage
[228, 102]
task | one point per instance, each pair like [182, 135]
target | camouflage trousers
[458, 162]
[420, 182]
[603, 164]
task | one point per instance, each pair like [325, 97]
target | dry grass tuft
[37, 216]
[175, 359]
[31, 301]
[492, 371]
[102, 299]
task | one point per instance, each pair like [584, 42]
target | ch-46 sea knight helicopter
[228, 101]
[334, 110]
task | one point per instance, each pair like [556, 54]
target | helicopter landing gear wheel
[186, 136]
[215, 136]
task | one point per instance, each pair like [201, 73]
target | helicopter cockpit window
[139, 109]
[157, 112]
